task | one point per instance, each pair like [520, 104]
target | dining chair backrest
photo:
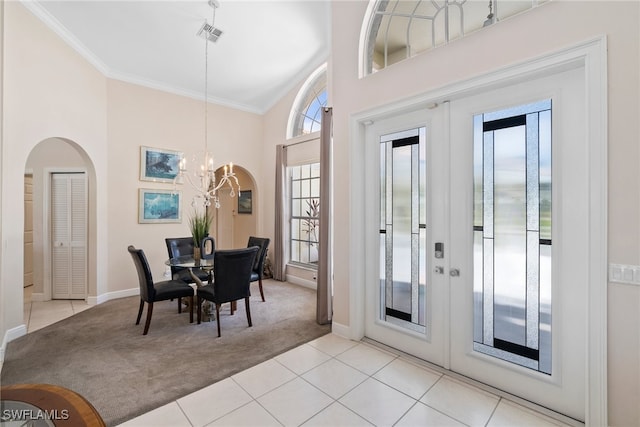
[263, 244]
[232, 273]
[178, 246]
[147, 290]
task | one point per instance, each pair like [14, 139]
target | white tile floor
[38, 314]
[330, 381]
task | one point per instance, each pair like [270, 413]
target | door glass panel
[512, 235]
[403, 234]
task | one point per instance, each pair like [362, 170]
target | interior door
[69, 235]
[487, 282]
[224, 217]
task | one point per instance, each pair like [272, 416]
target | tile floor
[38, 314]
[330, 381]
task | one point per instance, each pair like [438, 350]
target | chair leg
[218, 317]
[199, 309]
[191, 309]
[246, 305]
[260, 285]
[179, 305]
[140, 311]
[149, 313]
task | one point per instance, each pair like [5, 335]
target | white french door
[480, 238]
[406, 160]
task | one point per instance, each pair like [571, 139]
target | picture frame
[159, 206]
[159, 165]
[245, 202]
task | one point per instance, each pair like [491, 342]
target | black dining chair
[232, 275]
[258, 265]
[151, 292]
[181, 246]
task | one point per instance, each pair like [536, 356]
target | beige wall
[50, 91]
[545, 29]
[141, 116]
[3, 292]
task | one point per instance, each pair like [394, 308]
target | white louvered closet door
[69, 235]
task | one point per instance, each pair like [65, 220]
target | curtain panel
[324, 306]
[280, 232]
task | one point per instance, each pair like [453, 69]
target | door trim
[591, 56]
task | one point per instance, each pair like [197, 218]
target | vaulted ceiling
[266, 48]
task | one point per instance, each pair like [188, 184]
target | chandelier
[203, 179]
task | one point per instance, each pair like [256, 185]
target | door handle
[454, 272]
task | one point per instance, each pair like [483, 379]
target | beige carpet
[101, 354]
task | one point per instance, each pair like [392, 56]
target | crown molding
[53, 24]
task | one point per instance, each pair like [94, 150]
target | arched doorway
[50, 160]
[237, 217]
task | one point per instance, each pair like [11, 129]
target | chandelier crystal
[203, 179]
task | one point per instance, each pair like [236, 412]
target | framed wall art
[159, 206]
[245, 203]
[159, 165]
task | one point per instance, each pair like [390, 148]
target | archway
[59, 156]
[237, 217]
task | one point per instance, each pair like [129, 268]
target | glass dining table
[205, 264]
[189, 262]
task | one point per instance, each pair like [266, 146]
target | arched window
[393, 30]
[306, 112]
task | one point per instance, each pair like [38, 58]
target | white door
[481, 242]
[69, 235]
[225, 219]
[405, 306]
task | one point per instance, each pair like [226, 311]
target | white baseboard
[113, 295]
[311, 284]
[100, 298]
[11, 335]
[341, 330]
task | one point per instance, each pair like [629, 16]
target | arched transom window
[306, 113]
[394, 30]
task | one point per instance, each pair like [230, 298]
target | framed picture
[159, 165]
[245, 204]
[159, 206]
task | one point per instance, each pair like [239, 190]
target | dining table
[205, 264]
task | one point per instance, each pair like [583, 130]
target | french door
[479, 244]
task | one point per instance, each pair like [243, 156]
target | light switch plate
[622, 273]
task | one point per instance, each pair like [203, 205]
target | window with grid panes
[304, 184]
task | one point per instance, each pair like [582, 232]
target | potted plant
[312, 225]
[199, 224]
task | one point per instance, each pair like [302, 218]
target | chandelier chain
[205, 183]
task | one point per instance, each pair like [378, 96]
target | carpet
[101, 354]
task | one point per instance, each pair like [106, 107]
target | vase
[196, 256]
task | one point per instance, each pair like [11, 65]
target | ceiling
[267, 47]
